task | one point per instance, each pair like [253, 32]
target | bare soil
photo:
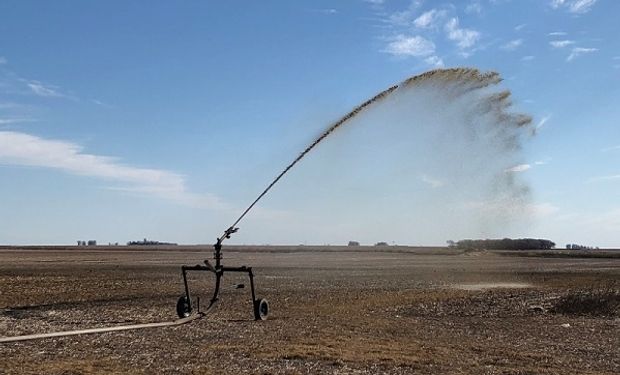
[333, 311]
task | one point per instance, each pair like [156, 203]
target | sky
[164, 120]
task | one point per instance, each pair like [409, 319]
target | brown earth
[333, 310]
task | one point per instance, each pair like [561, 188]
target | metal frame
[219, 271]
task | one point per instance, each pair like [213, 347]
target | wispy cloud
[573, 6]
[21, 149]
[528, 58]
[520, 27]
[561, 43]
[48, 91]
[431, 181]
[102, 104]
[519, 168]
[429, 19]
[557, 33]
[464, 38]
[581, 6]
[3, 60]
[557, 3]
[578, 51]
[435, 61]
[512, 45]
[415, 46]
[404, 17]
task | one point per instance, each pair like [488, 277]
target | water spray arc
[465, 79]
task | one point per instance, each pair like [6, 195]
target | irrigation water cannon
[185, 306]
[261, 307]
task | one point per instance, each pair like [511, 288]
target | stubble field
[333, 310]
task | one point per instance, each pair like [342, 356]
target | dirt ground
[333, 311]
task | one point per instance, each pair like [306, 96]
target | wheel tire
[261, 309]
[184, 308]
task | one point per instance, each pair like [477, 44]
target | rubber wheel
[184, 308]
[261, 309]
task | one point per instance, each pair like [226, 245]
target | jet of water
[455, 83]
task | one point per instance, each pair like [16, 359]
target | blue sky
[120, 121]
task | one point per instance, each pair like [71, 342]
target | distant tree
[451, 243]
[572, 246]
[382, 243]
[353, 243]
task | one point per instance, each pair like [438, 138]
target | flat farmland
[334, 310]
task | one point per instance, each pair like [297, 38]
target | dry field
[333, 311]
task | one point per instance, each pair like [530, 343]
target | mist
[435, 158]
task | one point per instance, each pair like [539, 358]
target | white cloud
[613, 148]
[581, 6]
[429, 19]
[434, 60]
[405, 17]
[40, 89]
[464, 38]
[557, 3]
[520, 27]
[27, 150]
[519, 168]
[578, 51]
[416, 46]
[376, 2]
[528, 58]
[574, 6]
[431, 181]
[561, 43]
[557, 33]
[3, 60]
[512, 45]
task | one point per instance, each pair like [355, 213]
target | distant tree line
[572, 246]
[506, 244]
[149, 242]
